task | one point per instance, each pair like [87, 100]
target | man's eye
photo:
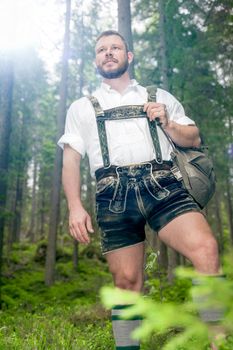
[116, 48]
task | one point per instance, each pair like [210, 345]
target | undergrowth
[65, 316]
[69, 315]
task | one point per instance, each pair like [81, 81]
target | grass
[59, 328]
[67, 315]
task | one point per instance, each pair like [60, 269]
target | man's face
[112, 60]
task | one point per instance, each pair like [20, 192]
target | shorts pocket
[164, 177]
[104, 184]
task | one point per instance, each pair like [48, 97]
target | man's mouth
[109, 61]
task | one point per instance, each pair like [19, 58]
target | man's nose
[109, 52]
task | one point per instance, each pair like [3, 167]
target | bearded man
[133, 171]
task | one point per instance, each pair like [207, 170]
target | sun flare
[17, 27]
[27, 22]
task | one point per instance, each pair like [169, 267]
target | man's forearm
[79, 220]
[71, 178]
[183, 135]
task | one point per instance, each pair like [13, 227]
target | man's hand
[181, 135]
[156, 111]
[80, 224]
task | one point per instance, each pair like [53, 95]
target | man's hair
[113, 32]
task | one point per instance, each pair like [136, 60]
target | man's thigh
[190, 235]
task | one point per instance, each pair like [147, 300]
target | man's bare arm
[79, 220]
[183, 135]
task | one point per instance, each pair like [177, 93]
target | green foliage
[55, 328]
[23, 279]
[66, 316]
[157, 285]
[199, 64]
[172, 313]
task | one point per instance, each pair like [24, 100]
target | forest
[50, 284]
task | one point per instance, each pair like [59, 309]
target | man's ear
[130, 56]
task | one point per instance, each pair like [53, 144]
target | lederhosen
[119, 113]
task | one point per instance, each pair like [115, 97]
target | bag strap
[177, 159]
[152, 91]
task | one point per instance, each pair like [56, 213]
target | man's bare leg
[126, 266]
[190, 235]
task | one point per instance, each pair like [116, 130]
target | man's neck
[119, 84]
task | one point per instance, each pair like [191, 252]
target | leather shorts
[128, 197]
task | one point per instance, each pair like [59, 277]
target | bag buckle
[177, 173]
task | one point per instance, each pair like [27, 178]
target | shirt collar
[133, 84]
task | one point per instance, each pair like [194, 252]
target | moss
[66, 315]
[61, 253]
[23, 280]
[54, 329]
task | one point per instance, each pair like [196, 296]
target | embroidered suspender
[124, 112]
[100, 119]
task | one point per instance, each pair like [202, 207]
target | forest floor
[66, 316]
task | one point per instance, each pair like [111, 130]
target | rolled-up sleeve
[184, 120]
[174, 108]
[73, 131]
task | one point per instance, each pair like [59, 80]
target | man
[133, 185]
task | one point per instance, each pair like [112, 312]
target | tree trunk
[163, 258]
[21, 168]
[75, 255]
[228, 182]
[124, 27]
[230, 208]
[82, 59]
[56, 184]
[32, 229]
[15, 231]
[218, 219]
[163, 45]
[6, 94]
[173, 262]
[41, 224]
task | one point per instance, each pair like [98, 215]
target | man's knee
[128, 280]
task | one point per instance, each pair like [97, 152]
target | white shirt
[129, 140]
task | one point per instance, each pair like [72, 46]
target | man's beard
[115, 73]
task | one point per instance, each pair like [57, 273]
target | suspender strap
[151, 90]
[155, 139]
[101, 130]
[125, 112]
